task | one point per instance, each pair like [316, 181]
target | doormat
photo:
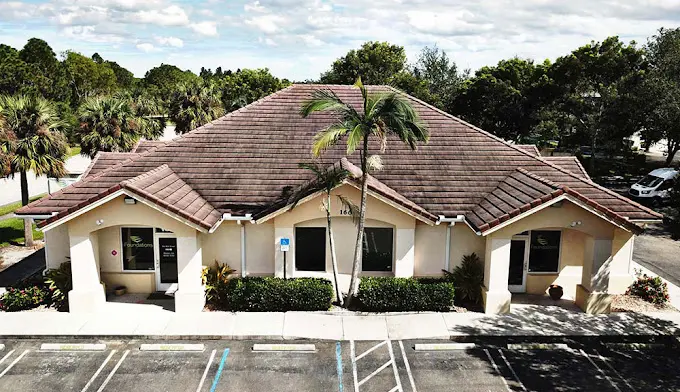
[158, 295]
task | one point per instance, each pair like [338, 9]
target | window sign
[137, 247]
[544, 252]
[377, 250]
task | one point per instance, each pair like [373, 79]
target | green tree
[193, 105]
[441, 75]
[248, 85]
[162, 81]
[87, 78]
[382, 115]
[375, 63]
[111, 123]
[31, 122]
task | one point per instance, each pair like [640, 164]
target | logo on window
[137, 241]
[541, 240]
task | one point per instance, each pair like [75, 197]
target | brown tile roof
[146, 145]
[529, 148]
[105, 160]
[243, 162]
[571, 164]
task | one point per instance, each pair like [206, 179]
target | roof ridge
[146, 174]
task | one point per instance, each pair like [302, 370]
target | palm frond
[354, 210]
[327, 137]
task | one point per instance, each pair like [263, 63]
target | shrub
[17, 299]
[59, 282]
[468, 279]
[651, 289]
[254, 294]
[388, 294]
[214, 279]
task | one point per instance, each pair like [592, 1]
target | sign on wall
[285, 244]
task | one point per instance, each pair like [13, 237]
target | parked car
[656, 186]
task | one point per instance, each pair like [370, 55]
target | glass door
[517, 274]
[166, 261]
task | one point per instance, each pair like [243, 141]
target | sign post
[285, 247]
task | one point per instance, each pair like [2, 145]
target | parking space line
[599, 369]
[219, 370]
[354, 365]
[14, 362]
[6, 356]
[381, 368]
[394, 367]
[370, 350]
[115, 368]
[498, 371]
[338, 358]
[614, 370]
[507, 363]
[205, 372]
[408, 367]
[94, 376]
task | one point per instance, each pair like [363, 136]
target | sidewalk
[523, 321]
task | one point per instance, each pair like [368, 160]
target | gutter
[451, 222]
[239, 221]
[35, 216]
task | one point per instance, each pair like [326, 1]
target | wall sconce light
[576, 223]
[99, 222]
[129, 200]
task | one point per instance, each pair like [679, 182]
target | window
[377, 252]
[137, 247]
[650, 181]
[668, 184]
[544, 251]
[310, 248]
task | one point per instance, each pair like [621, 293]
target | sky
[299, 39]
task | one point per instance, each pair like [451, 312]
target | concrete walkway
[523, 321]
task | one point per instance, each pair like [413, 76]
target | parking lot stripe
[507, 363]
[498, 371]
[338, 359]
[354, 365]
[599, 369]
[408, 367]
[380, 369]
[172, 347]
[443, 346]
[394, 367]
[614, 370]
[115, 368]
[94, 376]
[6, 356]
[14, 362]
[72, 347]
[205, 372]
[219, 370]
[370, 350]
[309, 348]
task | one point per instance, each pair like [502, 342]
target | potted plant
[120, 290]
[555, 291]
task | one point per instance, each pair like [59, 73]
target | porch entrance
[519, 257]
[166, 260]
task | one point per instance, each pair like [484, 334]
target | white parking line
[444, 346]
[94, 376]
[354, 365]
[6, 356]
[394, 368]
[614, 370]
[408, 367]
[600, 370]
[370, 350]
[14, 362]
[205, 372]
[507, 363]
[108, 378]
[498, 371]
[392, 362]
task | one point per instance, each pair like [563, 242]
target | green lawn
[12, 232]
[11, 207]
[72, 151]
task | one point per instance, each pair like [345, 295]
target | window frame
[325, 249]
[393, 253]
[559, 254]
[122, 254]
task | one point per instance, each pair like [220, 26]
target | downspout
[239, 221]
[447, 249]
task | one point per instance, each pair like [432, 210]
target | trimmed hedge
[255, 294]
[388, 294]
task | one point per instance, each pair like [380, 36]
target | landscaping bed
[632, 303]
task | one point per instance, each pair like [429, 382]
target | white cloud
[266, 23]
[90, 34]
[255, 6]
[170, 16]
[205, 28]
[170, 41]
[146, 47]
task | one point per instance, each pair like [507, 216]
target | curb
[72, 347]
[284, 348]
[172, 347]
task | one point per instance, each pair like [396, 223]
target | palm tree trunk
[334, 260]
[28, 222]
[358, 247]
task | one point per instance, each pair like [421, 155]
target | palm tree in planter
[326, 179]
[31, 124]
[382, 114]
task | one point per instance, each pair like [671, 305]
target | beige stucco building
[150, 220]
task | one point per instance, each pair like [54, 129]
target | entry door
[166, 261]
[517, 274]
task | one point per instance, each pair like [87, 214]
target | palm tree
[193, 105]
[326, 179]
[109, 124]
[382, 115]
[31, 124]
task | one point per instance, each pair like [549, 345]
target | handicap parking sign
[285, 244]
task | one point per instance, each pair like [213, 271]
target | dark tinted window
[310, 248]
[137, 248]
[650, 181]
[377, 252]
[544, 251]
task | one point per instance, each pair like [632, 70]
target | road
[334, 366]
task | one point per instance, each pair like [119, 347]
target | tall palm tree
[109, 124]
[193, 105]
[382, 115]
[32, 123]
[326, 179]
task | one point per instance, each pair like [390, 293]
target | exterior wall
[430, 246]
[223, 245]
[57, 249]
[260, 248]
[464, 241]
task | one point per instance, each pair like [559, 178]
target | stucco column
[284, 232]
[87, 295]
[190, 295]
[496, 266]
[619, 265]
[405, 256]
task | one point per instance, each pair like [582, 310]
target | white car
[655, 186]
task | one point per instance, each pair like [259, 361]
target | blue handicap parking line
[219, 370]
[338, 356]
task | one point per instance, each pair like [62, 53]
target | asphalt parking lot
[26, 365]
